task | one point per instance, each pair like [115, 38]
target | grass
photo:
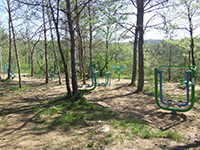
[140, 128]
[73, 112]
[24, 87]
[2, 120]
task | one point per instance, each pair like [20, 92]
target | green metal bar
[108, 74]
[95, 83]
[174, 110]
[119, 76]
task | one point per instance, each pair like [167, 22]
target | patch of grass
[73, 111]
[13, 88]
[24, 87]
[174, 135]
[120, 136]
[91, 144]
[148, 89]
[110, 134]
[49, 111]
[124, 124]
[2, 120]
[198, 93]
[37, 108]
[140, 128]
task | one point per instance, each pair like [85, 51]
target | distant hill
[152, 41]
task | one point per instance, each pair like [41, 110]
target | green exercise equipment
[168, 104]
[94, 76]
[119, 69]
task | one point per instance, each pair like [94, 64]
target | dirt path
[17, 123]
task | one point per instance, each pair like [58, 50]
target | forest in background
[157, 52]
[42, 34]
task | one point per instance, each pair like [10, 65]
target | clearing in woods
[23, 126]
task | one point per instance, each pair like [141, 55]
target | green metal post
[119, 76]
[108, 74]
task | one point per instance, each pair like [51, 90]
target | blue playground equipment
[52, 74]
[119, 69]
[6, 70]
[94, 76]
[107, 79]
[167, 104]
[93, 68]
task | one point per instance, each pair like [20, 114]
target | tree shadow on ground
[187, 146]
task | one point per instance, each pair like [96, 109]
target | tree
[70, 20]
[45, 41]
[185, 17]
[0, 54]
[15, 44]
[55, 53]
[142, 6]
[140, 19]
[90, 47]
[10, 43]
[3, 41]
[72, 40]
[193, 11]
[56, 23]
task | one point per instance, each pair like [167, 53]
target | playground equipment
[118, 69]
[52, 74]
[93, 67]
[94, 77]
[107, 79]
[183, 82]
[12, 75]
[169, 103]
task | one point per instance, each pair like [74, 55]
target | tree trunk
[59, 45]
[189, 59]
[0, 56]
[15, 45]
[10, 43]
[140, 46]
[134, 73]
[73, 55]
[45, 43]
[80, 45]
[55, 53]
[191, 35]
[192, 48]
[32, 52]
[67, 51]
[90, 19]
[32, 68]
[170, 62]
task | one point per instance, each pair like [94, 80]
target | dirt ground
[16, 131]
